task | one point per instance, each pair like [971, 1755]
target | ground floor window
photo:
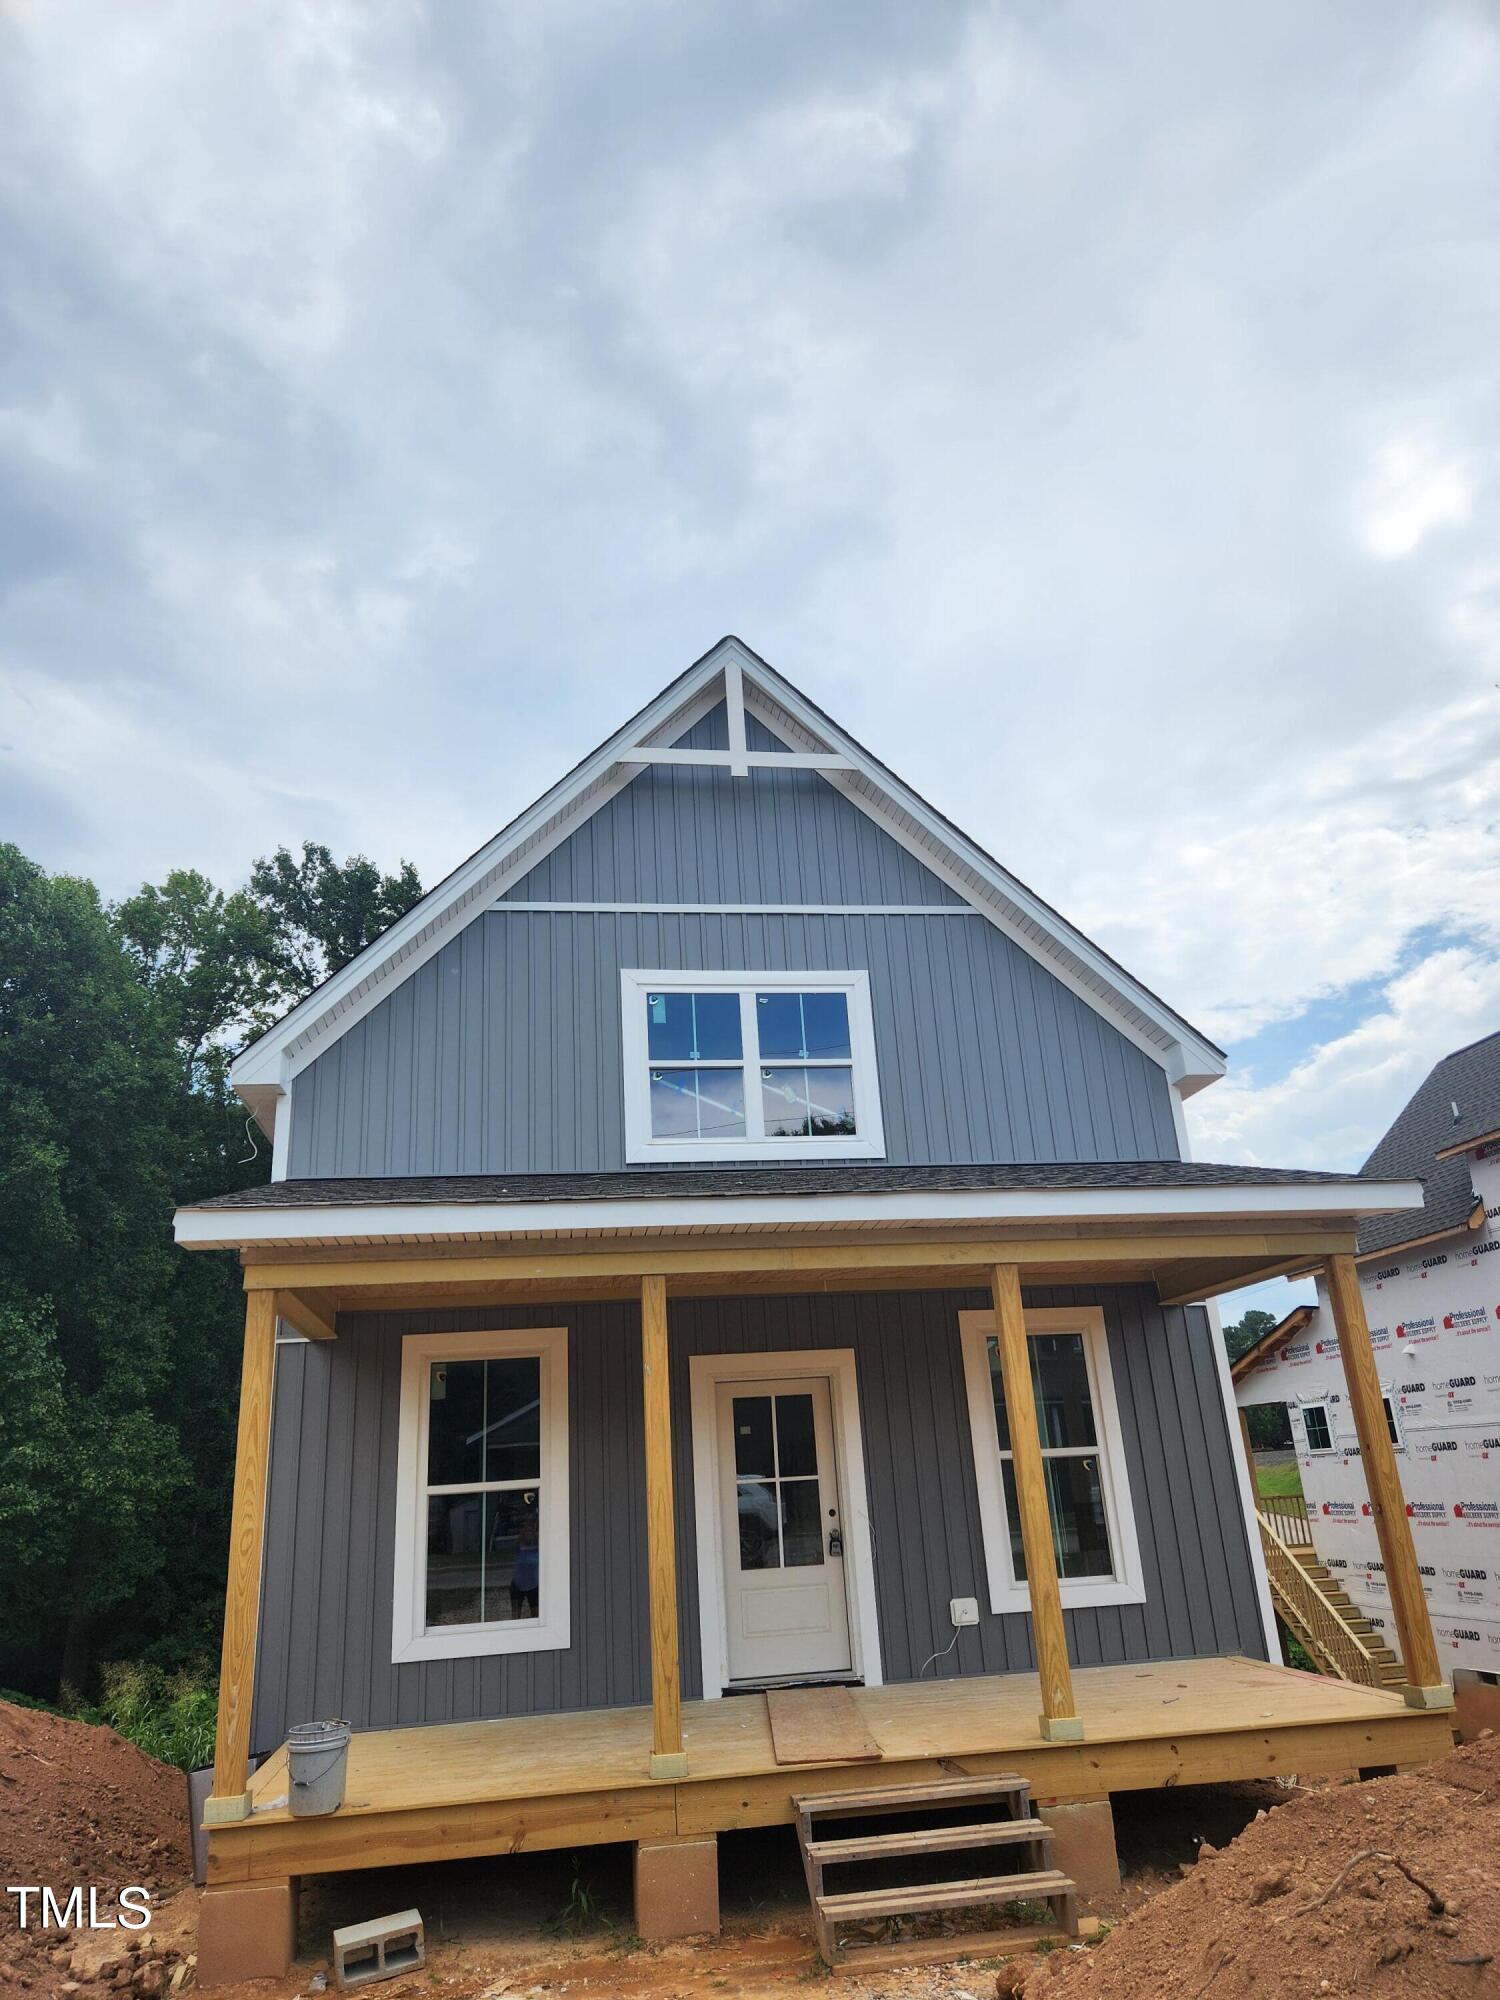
[482, 1505]
[1083, 1459]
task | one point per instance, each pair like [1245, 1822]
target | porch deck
[543, 1781]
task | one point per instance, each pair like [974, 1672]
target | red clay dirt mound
[1384, 1889]
[79, 1805]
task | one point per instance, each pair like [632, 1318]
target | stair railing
[1288, 1513]
[1333, 1644]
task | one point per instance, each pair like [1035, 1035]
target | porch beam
[313, 1318]
[1425, 1687]
[945, 1257]
[668, 1758]
[1059, 1720]
[1191, 1286]
[230, 1799]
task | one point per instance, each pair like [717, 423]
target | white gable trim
[731, 672]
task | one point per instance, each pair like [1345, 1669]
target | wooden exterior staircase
[894, 1830]
[1316, 1609]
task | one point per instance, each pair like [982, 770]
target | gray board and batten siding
[502, 1053]
[325, 1646]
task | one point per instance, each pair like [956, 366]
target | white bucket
[317, 1763]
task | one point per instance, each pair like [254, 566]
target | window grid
[1055, 1500]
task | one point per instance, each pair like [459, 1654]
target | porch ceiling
[1192, 1261]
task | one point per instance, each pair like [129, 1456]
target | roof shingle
[1460, 1099]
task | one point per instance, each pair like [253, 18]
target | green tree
[119, 1354]
[1243, 1334]
[87, 1088]
[324, 913]
[214, 964]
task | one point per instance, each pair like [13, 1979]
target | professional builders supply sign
[1434, 1318]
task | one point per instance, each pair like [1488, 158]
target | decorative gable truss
[731, 674]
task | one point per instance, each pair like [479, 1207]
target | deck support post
[1059, 1720]
[230, 1798]
[1425, 1686]
[668, 1758]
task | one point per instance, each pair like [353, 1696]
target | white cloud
[1332, 1105]
[1416, 487]
[1092, 412]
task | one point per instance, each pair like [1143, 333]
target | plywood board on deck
[818, 1726]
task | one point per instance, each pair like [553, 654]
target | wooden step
[916, 1798]
[923, 1898]
[934, 1840]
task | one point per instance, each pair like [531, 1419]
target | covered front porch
[546, 1781]
[335, 1262]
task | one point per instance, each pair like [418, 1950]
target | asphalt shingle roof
[794, 1180]
[1459, 1100]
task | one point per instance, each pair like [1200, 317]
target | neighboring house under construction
[1431, 1286]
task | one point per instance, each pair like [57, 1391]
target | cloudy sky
[1095, 407]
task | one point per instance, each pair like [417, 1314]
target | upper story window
[749, 1065]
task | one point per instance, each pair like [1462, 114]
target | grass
[1280, 1482]
[171, 1717]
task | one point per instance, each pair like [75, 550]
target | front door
[782, 1529]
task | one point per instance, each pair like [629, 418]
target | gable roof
[729, 672]
[1456, 1106]
[1295, 1321]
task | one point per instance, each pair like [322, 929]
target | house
[732, 1234]
[1430, 1284]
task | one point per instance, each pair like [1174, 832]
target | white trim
[281, 1135]
[705, 1373]
[1325, 1403]
[218, 1228]
[349, 994]
[764, 760]
[1022, 915]
[743, 909]
[1126, 1586]
[411, 1638]
[734, 709]
[867, 1142]
[1007, 903]
[1242, 1482]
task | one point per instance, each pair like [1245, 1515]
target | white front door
[782, 1528]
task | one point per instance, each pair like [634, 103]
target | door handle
[835, 1543]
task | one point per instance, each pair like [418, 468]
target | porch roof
[674, 1201]
[1191, 1228]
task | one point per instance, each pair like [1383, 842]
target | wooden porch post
[1425, 1687]
[1060, 1721]
[668, 1758]
[230, 1799]
[1249, 1450]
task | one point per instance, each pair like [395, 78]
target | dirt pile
[1388, 1888]
[81, 1807]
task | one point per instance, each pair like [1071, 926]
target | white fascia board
[1081, 966]
[210, 1228]
[1187, 1057]
[428, 925]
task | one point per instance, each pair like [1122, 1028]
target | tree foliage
[322, 914]
[1269, 1426]
[118, 1354]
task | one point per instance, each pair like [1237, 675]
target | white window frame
[1306, 1403]
[868, 1139]
[411, 1637]
[1007, 1592]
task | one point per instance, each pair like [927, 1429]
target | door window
[776, 1481]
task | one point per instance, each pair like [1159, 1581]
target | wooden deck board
[534, 1781]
